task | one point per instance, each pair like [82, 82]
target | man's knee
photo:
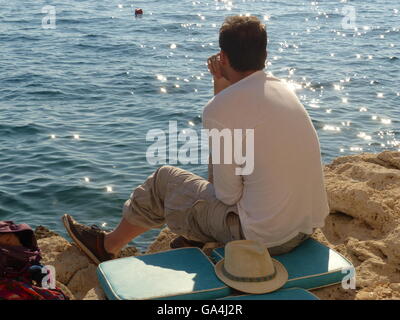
[166, 168]
[164, 172]
[161, 177]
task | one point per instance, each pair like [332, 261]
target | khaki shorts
[188, 205]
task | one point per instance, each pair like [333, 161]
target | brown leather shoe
[89, 239]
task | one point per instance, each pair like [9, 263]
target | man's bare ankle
[109, 247]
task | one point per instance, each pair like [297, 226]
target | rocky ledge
[364, 226]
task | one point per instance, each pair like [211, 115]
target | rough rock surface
[364, 226]
[42, 232]
[75, 273]
[161, 243]
[95, 294]
[73, 268]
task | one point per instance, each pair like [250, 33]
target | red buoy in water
[138, 12]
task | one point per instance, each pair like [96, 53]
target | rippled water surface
[77, 101]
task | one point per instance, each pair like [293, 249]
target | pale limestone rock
[364, 224]
[382, 291]
[75, 273]
[365, 295]
[395, 287]
[67, 259]
[42, 232]
[359, 190]
[390, 158]
[83, 281]
[73, 269]
[95, 294]
[161, 243]
[335, 292]
[129, 252]
[65, 290]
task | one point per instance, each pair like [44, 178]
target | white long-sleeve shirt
[285, 193]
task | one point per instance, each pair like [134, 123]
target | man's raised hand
[214, 66]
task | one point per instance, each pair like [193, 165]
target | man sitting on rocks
[279, 203]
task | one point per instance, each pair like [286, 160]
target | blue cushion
[283, 294]
[185, 273]
[311, 265]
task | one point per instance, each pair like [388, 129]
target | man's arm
[220, 83]
[228, 185]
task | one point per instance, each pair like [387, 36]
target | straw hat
[249, 268]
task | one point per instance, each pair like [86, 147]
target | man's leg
[121, 236]
[182, 200]
[143, 211]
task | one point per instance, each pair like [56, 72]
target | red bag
[18, 290]
[15, 261]
[20, 267]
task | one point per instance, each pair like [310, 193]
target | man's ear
[223, 58]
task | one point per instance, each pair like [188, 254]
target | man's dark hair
[244, 40]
